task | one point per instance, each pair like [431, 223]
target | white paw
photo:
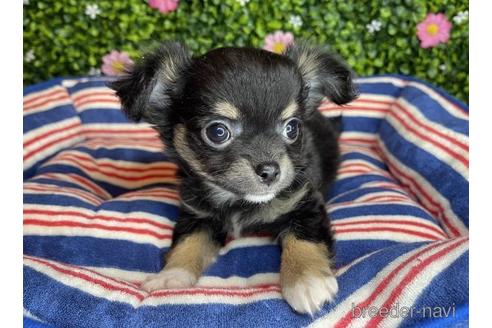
[310, 293]
[170, 279]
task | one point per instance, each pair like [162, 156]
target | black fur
[169, 89]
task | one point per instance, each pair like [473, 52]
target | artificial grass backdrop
[61, 39]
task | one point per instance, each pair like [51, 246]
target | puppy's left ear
[324, 74]
[147, 89]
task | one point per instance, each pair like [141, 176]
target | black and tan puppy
[254, 154]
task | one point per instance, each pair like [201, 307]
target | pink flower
[116, 63]
[434, 29]
[279, 41]
[164, 6]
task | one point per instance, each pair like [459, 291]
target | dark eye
[217, 133]
[291, 129]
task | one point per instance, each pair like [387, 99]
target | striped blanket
[100, 203]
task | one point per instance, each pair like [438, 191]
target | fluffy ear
[325, 75]
[149, 86]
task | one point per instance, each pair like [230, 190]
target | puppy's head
[234, 116]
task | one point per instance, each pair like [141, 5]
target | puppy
[254, 155]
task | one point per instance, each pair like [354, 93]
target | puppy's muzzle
[268, 172]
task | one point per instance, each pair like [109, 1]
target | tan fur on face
[301, 258]
[289, 111]
[184, 150]
[226, 109]
[193, 253]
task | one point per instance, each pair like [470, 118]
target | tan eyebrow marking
[226, 109]
[289, 111]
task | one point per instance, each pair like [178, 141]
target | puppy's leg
[306, 274]
[192, 252]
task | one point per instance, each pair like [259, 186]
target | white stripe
[98, 105]
[442, 127]
[39, 156]
[146, 168]
[41, 93]
[158, 219]
[29, 315]
[48, 106]
[438, 152]
[400, 237]
[89, 185]
[89, 91]
[31, 135]
[428, 188]
[443, 102]
[69, 192]
[363, 292]
[419, 283]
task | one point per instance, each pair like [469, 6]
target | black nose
[268, 172]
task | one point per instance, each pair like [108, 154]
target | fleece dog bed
[100, 203]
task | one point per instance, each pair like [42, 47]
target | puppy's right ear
[150, 85]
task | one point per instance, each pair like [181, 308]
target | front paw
[173, 278]
[310, 292]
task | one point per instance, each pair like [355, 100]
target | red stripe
[81, 95]
[100, 217]
[118, 130]
[50, 132]
[84, 183]
[388, 229]
[221, 292]
[348, 318]
[349, 108]
[88, 278]
[49, 144]
[171, 292]
[47, 101]
[91, 160]
[430, 128]
[170, 172]
[440, 213]
[138, 194]
[350, 140]
[385, 198]
[66, 191]
[97, 100]
[44, 95]
[409, 277]
[72, 224]
[446, 149]
[118, 281]
[393, 221]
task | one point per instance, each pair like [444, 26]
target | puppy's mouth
[259, 198]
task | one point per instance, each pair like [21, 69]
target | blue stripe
[433, 110]
[448, 311]
[378, 209]
[53, 115]
[354, 155]
[356, 193]
[97, 252]
[439, 174]
[102, 115]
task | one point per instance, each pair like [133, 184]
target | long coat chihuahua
[254, 155]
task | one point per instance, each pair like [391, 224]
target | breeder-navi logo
[397, 311]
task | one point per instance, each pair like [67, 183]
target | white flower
[92, 11]
[460, 17]
[442, 67]
[94, 71]
[29, 56]
[242, 2]
[374, 26]
[295, 21]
